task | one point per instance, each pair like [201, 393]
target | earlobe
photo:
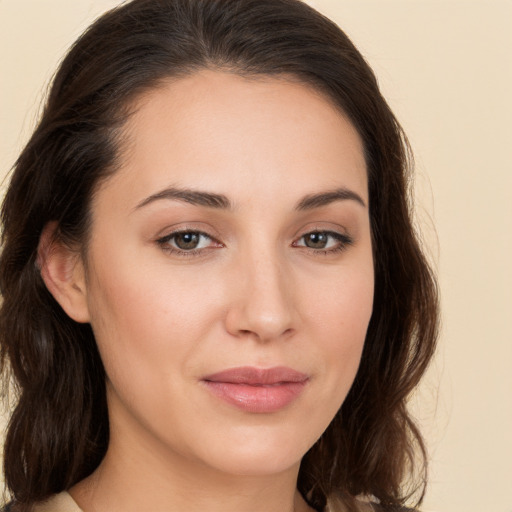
[63, 273]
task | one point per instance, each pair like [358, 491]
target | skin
[254, 293]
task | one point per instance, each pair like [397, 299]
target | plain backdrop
[446, 69]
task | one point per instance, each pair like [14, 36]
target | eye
[324, 241]
[187, 242]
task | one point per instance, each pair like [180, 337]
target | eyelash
[344, 241]
[166, 247]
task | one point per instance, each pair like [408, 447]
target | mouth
[257, 390]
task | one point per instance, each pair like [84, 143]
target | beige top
[62, 502]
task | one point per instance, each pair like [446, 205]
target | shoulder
[61, 502]
[374, 507]
[365, 505]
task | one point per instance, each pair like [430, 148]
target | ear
[63, 273]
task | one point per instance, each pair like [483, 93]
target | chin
[259, 465]
[260, 454]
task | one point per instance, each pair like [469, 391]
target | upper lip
[257, 376]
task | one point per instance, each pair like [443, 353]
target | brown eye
[325, 242]
[187, 241]
[316, 240]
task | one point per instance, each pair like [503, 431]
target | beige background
[445, 67]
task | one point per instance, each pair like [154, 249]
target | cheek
[146, 331]
[340, 317]
[343, 305]
[148, 321]
[125, 311]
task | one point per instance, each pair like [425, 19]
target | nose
[262, 305]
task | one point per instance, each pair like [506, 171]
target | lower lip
[254, 398]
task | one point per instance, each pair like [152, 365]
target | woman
[213, 297]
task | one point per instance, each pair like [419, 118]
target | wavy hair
[58, 432]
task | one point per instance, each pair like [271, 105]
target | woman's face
[229, 273]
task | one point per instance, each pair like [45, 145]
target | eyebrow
[220, 201]
[195, 197]
[325, 198]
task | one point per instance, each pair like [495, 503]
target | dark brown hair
[58, 432]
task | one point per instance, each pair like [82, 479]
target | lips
[257, 390]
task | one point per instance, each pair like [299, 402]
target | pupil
[316, 240]
[187, 240]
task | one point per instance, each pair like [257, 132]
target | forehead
[241, 137]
